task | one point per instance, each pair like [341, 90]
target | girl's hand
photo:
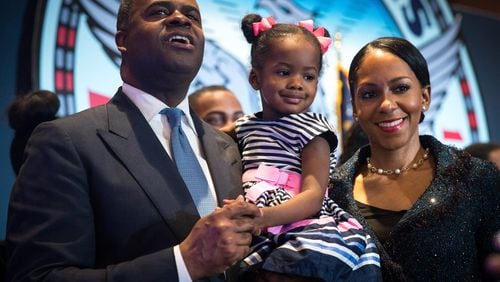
[258, 221]
[228, 202]
[240, 198]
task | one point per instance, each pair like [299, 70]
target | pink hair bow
[264, 24]
[324, 41]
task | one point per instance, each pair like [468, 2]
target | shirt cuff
[182, 271]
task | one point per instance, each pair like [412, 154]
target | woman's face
[388, 100]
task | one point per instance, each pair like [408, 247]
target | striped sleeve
[280, 142]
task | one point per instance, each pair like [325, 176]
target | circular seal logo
[79, 61]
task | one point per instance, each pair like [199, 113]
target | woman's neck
[391, 159]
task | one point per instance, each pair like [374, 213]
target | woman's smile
[392, 125]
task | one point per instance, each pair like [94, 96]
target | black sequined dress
[447, 234]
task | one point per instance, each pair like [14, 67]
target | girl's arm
[315, 175]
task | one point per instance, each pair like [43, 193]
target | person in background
[491, 152]
[487, 151]
[105, 195]
[216, 105]
[287, 155]
[24, 114]
[353, 139]
[433, 209]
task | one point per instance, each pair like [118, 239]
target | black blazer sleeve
[51, 223]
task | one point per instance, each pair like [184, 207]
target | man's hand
[220, 239]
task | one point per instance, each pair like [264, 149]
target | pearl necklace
[397, 171]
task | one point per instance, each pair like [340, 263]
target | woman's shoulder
[448, 156]
[344, 174]
[459, 166]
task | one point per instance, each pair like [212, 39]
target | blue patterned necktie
[188, 164]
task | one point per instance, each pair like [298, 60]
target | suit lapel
[440, 192]
[223, 160]
[133, 141]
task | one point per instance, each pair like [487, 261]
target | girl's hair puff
[262, 43]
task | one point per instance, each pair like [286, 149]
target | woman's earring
[424, 108]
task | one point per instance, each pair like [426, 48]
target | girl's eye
[401, 88]
[283, 72]
[309, 77]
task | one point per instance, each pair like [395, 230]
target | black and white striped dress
[280, 142]
[332, 245]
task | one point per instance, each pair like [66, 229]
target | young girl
[288, 155]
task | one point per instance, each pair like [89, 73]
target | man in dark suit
[99, 197]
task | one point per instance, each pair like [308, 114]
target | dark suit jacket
[98, 198]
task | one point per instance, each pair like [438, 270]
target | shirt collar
[150, 106]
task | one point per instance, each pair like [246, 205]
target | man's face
[494, 157]
[220, 108]
[163, 36]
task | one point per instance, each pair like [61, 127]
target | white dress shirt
[150, 108]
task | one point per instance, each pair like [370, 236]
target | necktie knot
[174, 116]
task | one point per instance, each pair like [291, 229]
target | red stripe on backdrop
[59, 80]
[71, 38]
[465, 88]
[69, 81]
[472, 120]
[61, 36]
[97, 99]
[452, 135]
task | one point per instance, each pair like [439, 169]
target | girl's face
[288, 79]
[388, 100]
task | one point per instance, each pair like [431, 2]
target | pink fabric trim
[267, 23]
[271, 178]
[286, 227]
[264, 24]
[324, 41]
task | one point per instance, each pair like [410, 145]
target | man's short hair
[198, 93]
[123, 18]
[482, 150]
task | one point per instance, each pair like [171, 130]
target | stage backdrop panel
[78, 58]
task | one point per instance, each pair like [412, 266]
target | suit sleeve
[51, 224]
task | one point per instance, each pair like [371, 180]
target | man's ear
[120, 41]
[253, 78]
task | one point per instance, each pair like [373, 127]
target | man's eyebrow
[216, 112]
[167, 4]
[161, 3]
